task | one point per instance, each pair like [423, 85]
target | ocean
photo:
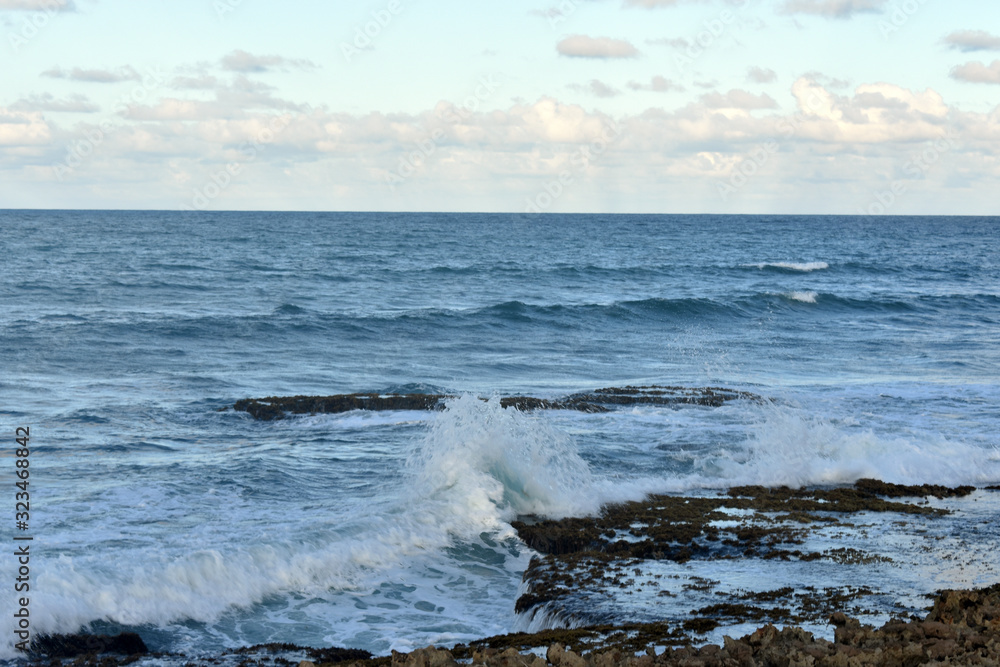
[126, 338]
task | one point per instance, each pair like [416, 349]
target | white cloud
[877, 113]
[38, 5]
[840, 9]
[581, 46]
[650, 4]
[977, 72]
[761, 75]
[242, 61]
[676, 43]
[18, 128]
[201, 82]
[738, 99]
[658, 84]
[47, 102]
[125, 73]
[973, 40]
[838, 141]
[598, 89]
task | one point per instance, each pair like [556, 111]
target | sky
[874, 107]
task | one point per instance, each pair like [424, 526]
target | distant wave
[791, 266]
[621, 309]
[804, 297]
[359, 324]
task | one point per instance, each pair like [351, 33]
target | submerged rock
[600, 400]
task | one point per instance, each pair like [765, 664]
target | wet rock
[318, 656]
[274, 407]
[977, 610]
[879, 488]
[424, 657]
[335, 654]
[71, 646]
[560, 657]
[586, 555]
[601, 400]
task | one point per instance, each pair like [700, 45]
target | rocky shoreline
[615, 553]
[962, 628]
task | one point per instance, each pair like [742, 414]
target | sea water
[124, 336]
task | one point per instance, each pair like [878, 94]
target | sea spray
[491, 464]
[786, 445]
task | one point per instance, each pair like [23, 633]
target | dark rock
[334, 654]
[584, 556]
[879, 488]
[601, 400]
[267, 409]
[71, 646]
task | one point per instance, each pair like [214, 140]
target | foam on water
[794, 266]
[481, 457]
[787, 446]
[804, 296]
[478, 467]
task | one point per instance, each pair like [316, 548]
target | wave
[804, 267]
[804, 297]
[786, 446]
[631, 309]
[504, 462]
[477, 468]
[288, 317]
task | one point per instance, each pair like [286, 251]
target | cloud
[835, 146]
[650, 4]
[18, 128]
[973, 40]
[657, 84]
[202, 82]
[94, 75]
[761, 75]
[738, 99]
[46, 102]
[240, 98]
[977, 72]
[581, 46]
[598, 89]
[839, 9]
[242, 61]
[676, 43]
[38, 5]
[876, 113]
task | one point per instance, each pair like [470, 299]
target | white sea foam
[786, 446]
[360, 419]
[793, 266]
[804, 297]
[477, 468]
[504, 462]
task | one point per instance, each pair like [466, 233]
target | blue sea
[124, 336]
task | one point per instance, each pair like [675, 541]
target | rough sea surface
[123, 335]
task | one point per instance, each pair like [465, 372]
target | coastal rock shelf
[654, 560]
[962, 628]
[599, 400]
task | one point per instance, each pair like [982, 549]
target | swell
[292, 317]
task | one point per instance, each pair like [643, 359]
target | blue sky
[673, 106]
